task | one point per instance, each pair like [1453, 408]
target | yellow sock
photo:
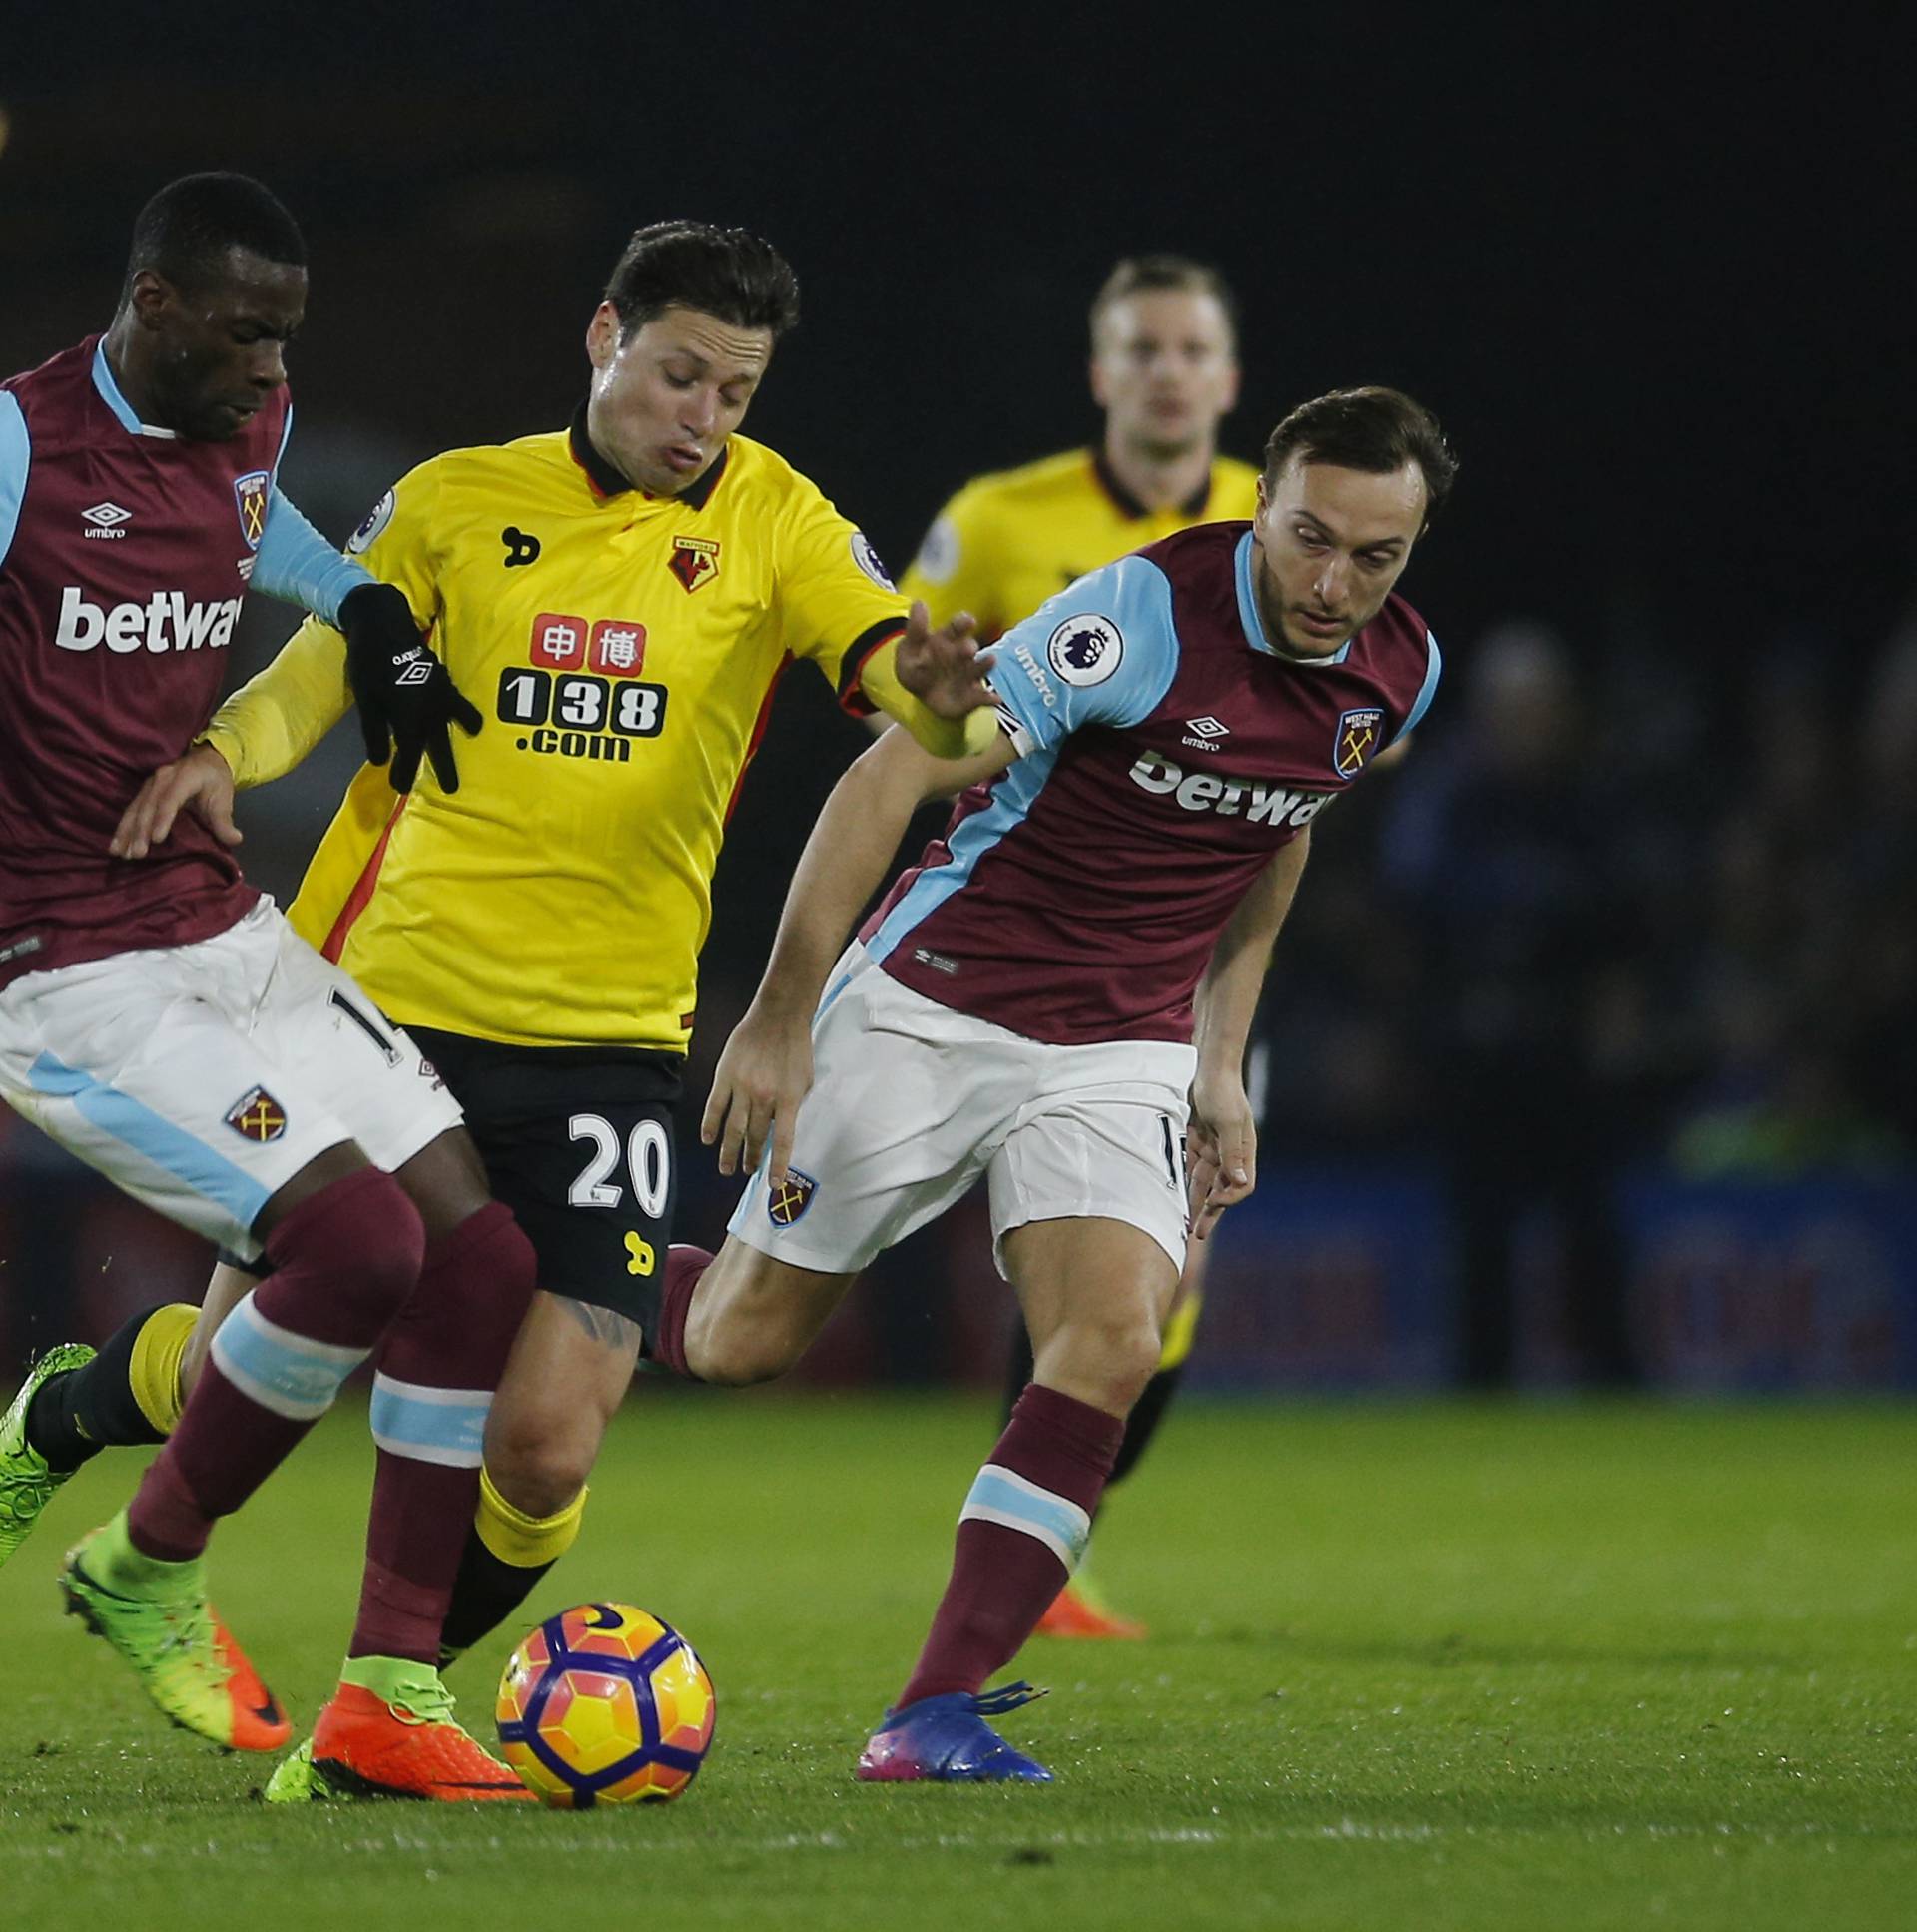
[503, 1569]
[154, 1372]
[525, 1541]
[1180, 1332]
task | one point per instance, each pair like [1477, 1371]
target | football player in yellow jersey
[619, 598]
[1164, 368]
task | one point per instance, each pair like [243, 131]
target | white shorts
[910, 1103]
[201, 1078]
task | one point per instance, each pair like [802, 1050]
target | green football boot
[156, 1614]
[26, 1482]
[294, 1781]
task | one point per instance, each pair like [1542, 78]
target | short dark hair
[1138, 275]
[1374, 430]
[724, 272]
[188, 229]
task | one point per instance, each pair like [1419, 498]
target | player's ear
[602, 335]
[150, 298]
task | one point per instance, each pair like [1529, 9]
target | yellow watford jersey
[1006, 542]
[623, 649]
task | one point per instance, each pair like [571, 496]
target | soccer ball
[605, 1705]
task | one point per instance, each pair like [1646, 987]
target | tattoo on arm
[603, 1324]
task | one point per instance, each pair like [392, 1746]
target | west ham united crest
[788, 1202]
[1357, 739]
[257, 1117]
[250, 498]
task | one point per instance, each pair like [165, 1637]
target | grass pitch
[1433, 1667]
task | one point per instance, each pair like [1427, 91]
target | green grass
[1432, 1667]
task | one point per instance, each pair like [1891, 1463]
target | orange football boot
[393, 1736]
[1077, 1612]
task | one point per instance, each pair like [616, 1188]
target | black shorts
[578, 1142]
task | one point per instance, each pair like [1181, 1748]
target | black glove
[407, 700]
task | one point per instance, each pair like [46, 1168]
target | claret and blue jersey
[125, 554]
[1167, 752]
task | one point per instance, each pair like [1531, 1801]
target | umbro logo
[1204, 733]
[106, 519]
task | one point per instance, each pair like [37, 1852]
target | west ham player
[1164, 369]
[1060, 990]
[162, 1021]
[623, 594]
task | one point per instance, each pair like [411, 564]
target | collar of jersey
[118, 403]
[607, 481]
[1254, 626]
[1128, 505]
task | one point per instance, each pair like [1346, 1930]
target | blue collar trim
[1254, 626]
[118, 403]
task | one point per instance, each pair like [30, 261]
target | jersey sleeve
[401, 541]
[270, 723]
[1103, 652]
[836, 603]
[1433, 668]
[298, 566]
[957, 567]
[16, 458]
[275, 719]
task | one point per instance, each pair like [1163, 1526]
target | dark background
[1654, 277]
[1651, 271]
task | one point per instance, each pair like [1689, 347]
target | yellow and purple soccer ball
[605, 1705]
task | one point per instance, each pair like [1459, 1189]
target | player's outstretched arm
[766, 1069]
[277, 716]
[1223, 1140]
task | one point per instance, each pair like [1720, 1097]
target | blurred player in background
[1164, 368]
[1059, 993]
[622, 596]
[163, 1021]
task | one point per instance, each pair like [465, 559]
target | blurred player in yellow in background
[1164, 368]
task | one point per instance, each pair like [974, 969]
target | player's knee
[1128, 1367]
[1105, 1363]
[539, 1467]
[544, 1488]
[735, 1353]
[360, 1234]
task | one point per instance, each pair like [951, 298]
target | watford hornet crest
[1357, 739]
[788, 1202]
[694, 561]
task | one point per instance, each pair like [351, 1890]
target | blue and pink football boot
[947, 1739]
